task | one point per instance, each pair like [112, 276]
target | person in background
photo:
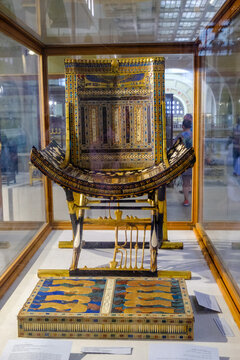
[186, 136]
[236, 147]
[188, 117]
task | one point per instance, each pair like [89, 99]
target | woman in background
[186, 136]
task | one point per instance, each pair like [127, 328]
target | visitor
[236, 148]
[186, 136]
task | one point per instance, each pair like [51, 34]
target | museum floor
[190, 258]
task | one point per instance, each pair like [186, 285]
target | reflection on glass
[179, 88]
[222, 140]
[21, 187]
[227, 246]
[179, 102]
[186, 136]
[56, 86]
[57, 110]
[25, 11]
[221, 114]
[109, 22]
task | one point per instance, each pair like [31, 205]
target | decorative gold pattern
[122, 94]
[106, 306]
[112, 184]
[172, 321]
[100, 78]
[115, 147]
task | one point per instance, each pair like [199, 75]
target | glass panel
[221, 114]
[109, 22]
[56, 89]
[21, 189]
[179, 85]
[179, 101]
[222, 128]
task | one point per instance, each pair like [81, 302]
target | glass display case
[200, 43]
[22, 210]
[179, 83]
[221, 144]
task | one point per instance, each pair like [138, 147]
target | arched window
[225, 109]
[178, 112]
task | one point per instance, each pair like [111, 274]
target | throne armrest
[112, 184]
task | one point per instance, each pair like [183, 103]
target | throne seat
[116, 148]
[112, 184]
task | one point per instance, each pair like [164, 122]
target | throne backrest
[115, 111]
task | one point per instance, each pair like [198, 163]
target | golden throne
[116, 151]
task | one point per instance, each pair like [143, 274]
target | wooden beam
[112, 49]
[20, 225]
[196, 136]
[219, 225]
[227, 12]
[16, 32]
[45, 133]
[201, 136]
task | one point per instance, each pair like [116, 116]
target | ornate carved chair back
[115, 113]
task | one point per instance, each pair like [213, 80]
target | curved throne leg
[77, 225]
[73, 207]
[156, 235]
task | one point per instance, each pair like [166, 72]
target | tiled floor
[190, 258]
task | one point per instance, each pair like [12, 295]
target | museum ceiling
[66, 22]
